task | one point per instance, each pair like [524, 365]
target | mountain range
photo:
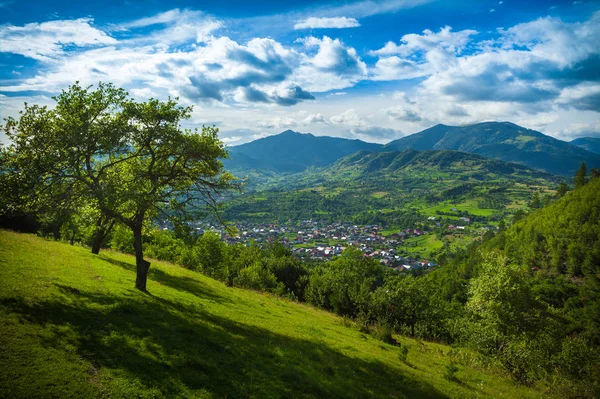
[292, 152]
[505, 141]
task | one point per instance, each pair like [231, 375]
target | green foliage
[163, 245]
[256, 277]
[581, 176]
[563, 237]
[345, 284]
[561, 190]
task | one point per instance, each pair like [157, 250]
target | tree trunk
[97, 243]
[103, 226]
[142, 265]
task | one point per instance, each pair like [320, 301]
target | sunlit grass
[73, 326]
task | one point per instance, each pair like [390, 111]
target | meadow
[74, 326]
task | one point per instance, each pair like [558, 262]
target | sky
[369, 70]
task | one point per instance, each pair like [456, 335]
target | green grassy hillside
[73, 326]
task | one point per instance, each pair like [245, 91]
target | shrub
[256, 277]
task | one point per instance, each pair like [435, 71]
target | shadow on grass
[182, 350]
[180, 283]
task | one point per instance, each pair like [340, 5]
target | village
[321, 241]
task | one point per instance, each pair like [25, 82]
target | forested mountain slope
[505, 141]
[293, 152]
[591, 144]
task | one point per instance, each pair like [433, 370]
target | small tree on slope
[132, 159]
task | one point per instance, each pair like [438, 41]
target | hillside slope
[73, 326]
[293, 152]
[443, 160]
[505, 141]
[591, 144]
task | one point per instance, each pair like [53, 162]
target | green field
[423, 245]
[73, 326]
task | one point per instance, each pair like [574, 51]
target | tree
[561, 190]
[132, 159]
[580, 176]
[595, 173]
[535, 202]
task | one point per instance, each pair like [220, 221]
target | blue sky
[373, 70]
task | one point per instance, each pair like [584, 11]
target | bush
[383, 332]
[256, 277]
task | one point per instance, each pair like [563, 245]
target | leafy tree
[500, 300]
[345, 284]
[132, 159]
[403, 301]
[580, 176]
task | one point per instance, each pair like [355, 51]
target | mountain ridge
[591, 144]
[293, 152]
[502, 140]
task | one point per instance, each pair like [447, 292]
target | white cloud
[228, 140]
[143, 93]
[542, 67]
[46, 41]
[331, 23]
[278, 123]
[314, 118]
[179, 26]
[349, 118]
[412, 43]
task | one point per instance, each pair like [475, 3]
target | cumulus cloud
[334, 57]
[412, 43]
[524, 70]
[349, 118]
[331, 23]
[315, 118]
[403, 113]
[233, 139]
[46, 41]
[420, 55]
[278, 123]
[578, 130]
[541, 66]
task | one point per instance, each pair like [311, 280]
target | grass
[469, 206]
[423, 245]
[73, 326]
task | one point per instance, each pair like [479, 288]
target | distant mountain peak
[502, 140]
[291, 151]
